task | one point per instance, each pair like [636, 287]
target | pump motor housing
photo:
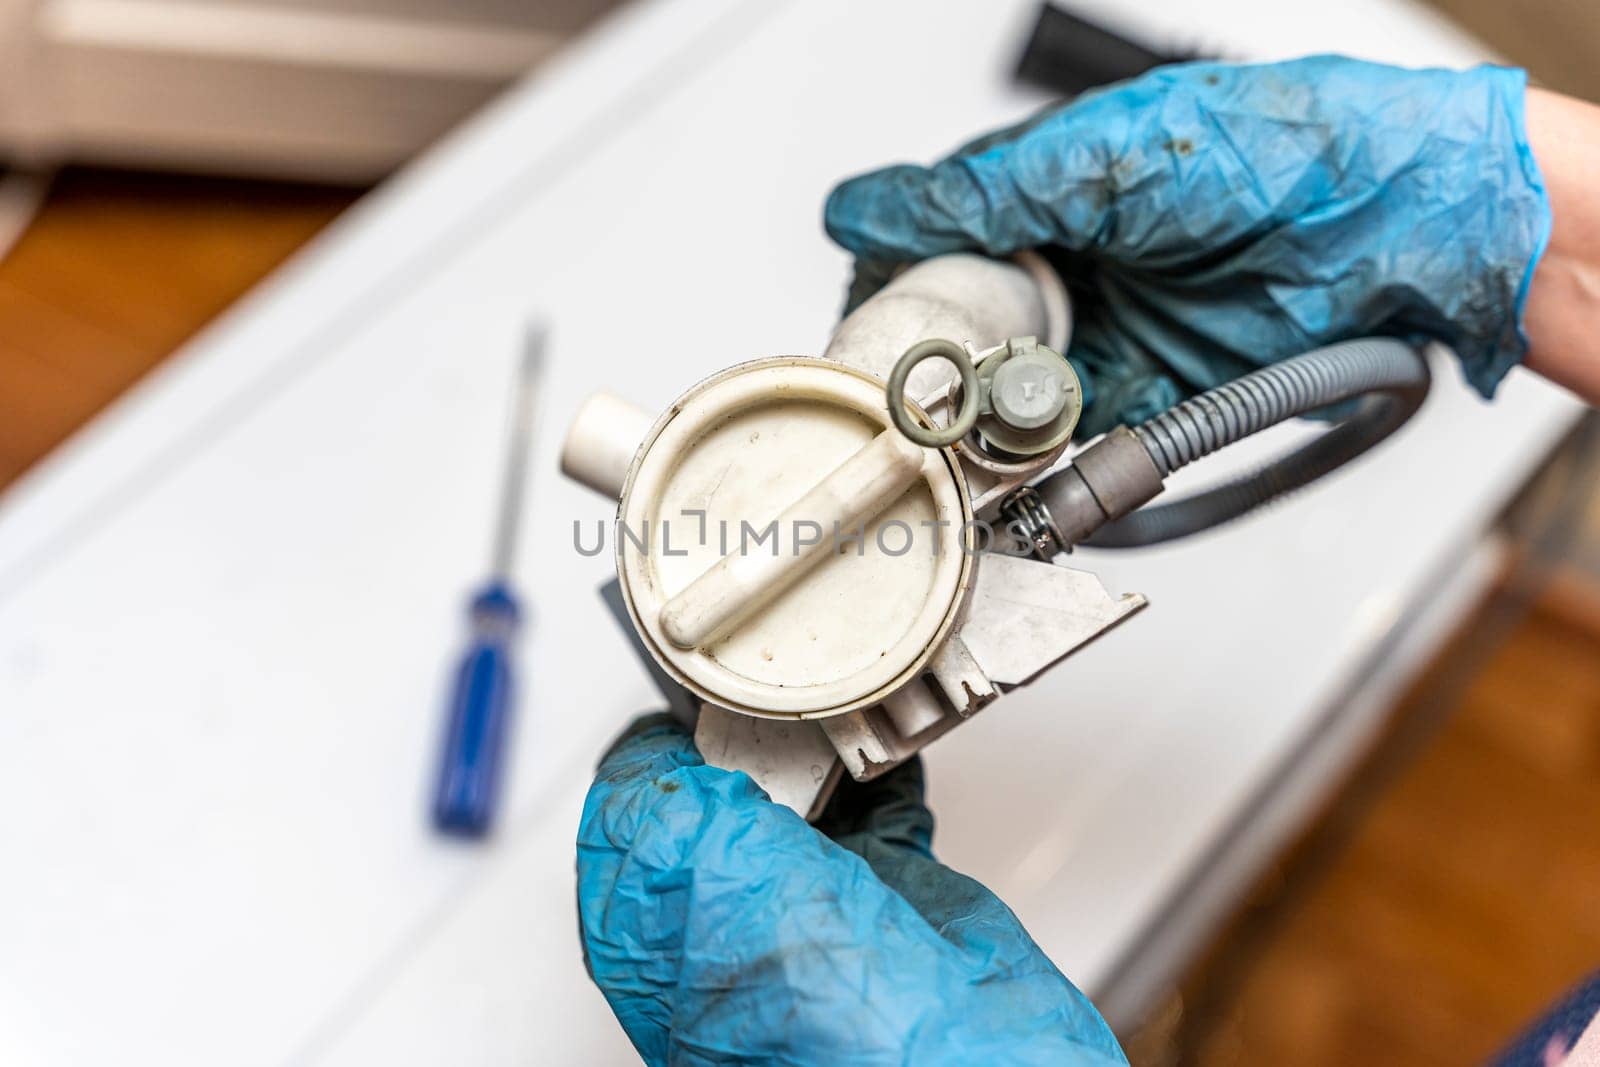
[827, 590]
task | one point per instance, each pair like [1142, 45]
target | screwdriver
[483, 690]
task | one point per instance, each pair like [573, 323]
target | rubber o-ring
[965, 420]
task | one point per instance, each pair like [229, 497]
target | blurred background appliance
[331, 90]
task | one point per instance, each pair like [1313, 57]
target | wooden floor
[1458, 903]
[117, 271]
[1465, 898]
[1556, 40]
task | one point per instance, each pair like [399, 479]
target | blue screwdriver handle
[468, 790]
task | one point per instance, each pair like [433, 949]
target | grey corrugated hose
[1389, 376]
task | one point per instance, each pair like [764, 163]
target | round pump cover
[783, 550]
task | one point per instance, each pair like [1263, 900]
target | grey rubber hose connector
[1390, 377]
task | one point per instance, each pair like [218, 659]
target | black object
[681, 704]
[1067, 54]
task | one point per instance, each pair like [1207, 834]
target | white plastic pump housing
[806, 572]
[808, 562]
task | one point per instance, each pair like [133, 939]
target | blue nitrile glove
[723, 929]
[1213, 218]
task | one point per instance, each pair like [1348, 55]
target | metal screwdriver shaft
[517, 449]
[483, 690]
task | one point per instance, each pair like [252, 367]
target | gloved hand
[1211, 219]
[724, 929]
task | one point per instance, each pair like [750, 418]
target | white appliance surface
[229, 606]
